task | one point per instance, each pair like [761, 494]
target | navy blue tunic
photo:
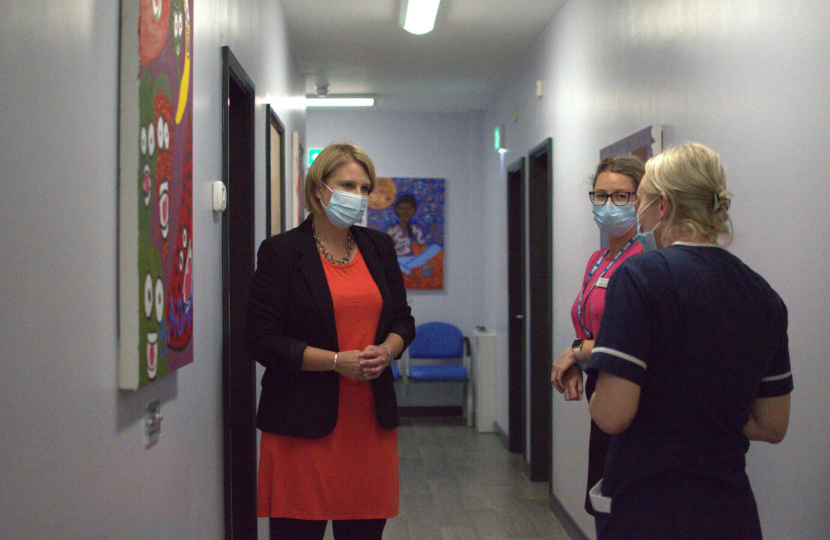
[704, 336]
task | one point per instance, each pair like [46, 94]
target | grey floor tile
[458, 484]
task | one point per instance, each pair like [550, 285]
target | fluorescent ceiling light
[331, 101]
[418, 16]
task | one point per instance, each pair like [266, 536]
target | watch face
[577, 343]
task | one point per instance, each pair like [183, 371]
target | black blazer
[290, 307]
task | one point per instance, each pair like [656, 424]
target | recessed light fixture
[418, 16]
[339, 101]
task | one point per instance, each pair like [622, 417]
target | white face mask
[614, 220]
[345, 209]
[646, 239]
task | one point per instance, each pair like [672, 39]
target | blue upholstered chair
[441, 353]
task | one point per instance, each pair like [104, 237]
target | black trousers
[350, 529]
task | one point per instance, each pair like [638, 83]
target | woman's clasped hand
[567, 377]
[365, 365]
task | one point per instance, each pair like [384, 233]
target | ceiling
[357, 47]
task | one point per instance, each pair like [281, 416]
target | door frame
[540, 263]
[516, 283]
[273, 121]
[238, 261]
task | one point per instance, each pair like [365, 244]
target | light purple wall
[746, 77]
[74, 462]
[429, 145]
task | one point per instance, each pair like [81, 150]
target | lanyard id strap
[588, 280]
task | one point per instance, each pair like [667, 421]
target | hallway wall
[746, 77]
[74, 462]
[428, 145]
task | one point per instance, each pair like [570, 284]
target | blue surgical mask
[646, 239]
[345, 209]
[614, 220]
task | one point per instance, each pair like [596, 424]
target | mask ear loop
[658, 223]
[661, 220]
[321, 199]
[643, 209]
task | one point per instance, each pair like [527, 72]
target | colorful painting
[155, 190]
[411, 211]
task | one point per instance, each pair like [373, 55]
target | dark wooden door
[238, 260]
[516, 301]
[540, 234]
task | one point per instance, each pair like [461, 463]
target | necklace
[329, 257]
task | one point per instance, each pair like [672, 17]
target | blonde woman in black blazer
[292, 330]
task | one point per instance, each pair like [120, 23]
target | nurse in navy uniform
[692, 363]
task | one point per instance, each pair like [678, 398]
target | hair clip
[722, 200]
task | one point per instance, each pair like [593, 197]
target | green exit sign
[312, 155]
[498, 139]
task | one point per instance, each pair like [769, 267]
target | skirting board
[445, 411]
[573, 530]
[433, 421]
[501, 435]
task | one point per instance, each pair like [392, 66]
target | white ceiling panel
[357, 47]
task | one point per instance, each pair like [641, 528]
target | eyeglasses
[619, 198]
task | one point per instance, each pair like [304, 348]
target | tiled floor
[457, 484]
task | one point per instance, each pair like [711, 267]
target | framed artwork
[275, 171]
[644, 144]
[411, 211]
[298, 179]
[155, 185]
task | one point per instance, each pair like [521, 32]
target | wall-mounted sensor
[220, 196]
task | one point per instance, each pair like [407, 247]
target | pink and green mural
[155, 190]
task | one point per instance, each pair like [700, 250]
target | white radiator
[484, 374]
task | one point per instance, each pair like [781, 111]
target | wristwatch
[577, 348]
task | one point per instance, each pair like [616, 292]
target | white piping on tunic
[695, 244]
[772, 378]
[621, 355]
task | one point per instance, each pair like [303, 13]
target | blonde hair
[693, 178]
[329, 160]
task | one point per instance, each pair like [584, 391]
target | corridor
[458, 484]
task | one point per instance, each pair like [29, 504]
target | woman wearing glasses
[614, 193]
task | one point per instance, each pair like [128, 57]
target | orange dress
[352, 473]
